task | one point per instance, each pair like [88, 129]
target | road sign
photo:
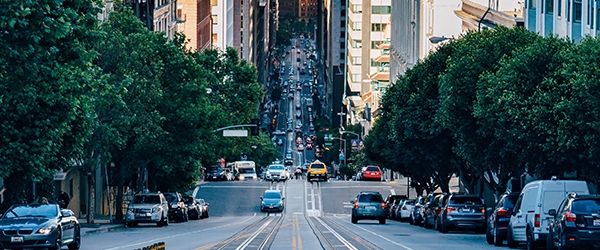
[235, 133]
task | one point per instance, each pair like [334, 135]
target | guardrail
[155, 246]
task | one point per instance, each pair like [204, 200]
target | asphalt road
[315, 217]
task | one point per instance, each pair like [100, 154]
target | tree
[47, 73]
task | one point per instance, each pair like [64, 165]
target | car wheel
[498, 239]
[443, 228]
[531, 243]
[550, 240]
[56, 245]
[354, 220]
[130, 224]
[206, 216]
[411, 220]
[489, 238]
[509, 239]
[76, 244]
[382, 220]
[426, 223]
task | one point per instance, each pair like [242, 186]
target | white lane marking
[247, 241]
[338, 236]
[204, 186]
[149, 242]
[392, 191]
[376, 234]
[345, 187]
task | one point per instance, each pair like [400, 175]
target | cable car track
[258, 235]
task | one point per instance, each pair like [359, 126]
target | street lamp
[350, 132]
[438, 39]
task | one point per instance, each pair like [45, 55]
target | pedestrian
[64, 199]
[43, 200]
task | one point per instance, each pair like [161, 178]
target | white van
[529, 221]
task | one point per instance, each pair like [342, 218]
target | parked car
[177, 208]
[203, 207]
[529, 221]
[389, 201]
[148, 208]
[272, 200]
[415, 212]
[498, 218]
[575, 223]
[403, 212]
[193, 208]
[432, 211]
[372, 173]
[392, 213]
[368, 205]
[462, 211]
[39, 226]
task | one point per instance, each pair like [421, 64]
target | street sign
[235, 133]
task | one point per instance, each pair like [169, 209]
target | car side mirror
[552, 212]
[260, 197]
[488, 210]
[282, 198]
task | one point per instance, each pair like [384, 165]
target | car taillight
[383, 205]
[571, 217]
[483, 210]
[356, 204]
[536, 220]
[450, 209]
[502, 213]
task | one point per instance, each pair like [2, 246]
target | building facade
[197, 23]
[222, 24]
[288, 8]
[566, 18]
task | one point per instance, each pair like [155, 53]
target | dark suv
[368, 205]
[177, 208]
[499, 217]
[576, 223]
[462, 211]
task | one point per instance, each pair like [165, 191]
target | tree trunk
[119, 212]
[91, 198]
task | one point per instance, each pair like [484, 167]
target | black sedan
[499, 216]
[39, 226]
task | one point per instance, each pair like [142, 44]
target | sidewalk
[101, 225]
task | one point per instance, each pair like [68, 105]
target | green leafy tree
[47, 73]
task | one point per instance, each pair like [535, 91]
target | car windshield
[461, 200]
[275, 167]
[586, 206]
[317, 165]
[372, 169]
[272, 195]
[170, 198]
[370, 198]
[188, 200]
[409, 202]
[146, 199]
[247, 171]
[509, 201]
[32, 210]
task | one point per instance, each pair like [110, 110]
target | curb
[103, 230]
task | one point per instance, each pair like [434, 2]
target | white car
[403, 213]
[276, 172]
[148, 208]
[300, 147]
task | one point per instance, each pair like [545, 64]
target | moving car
[300, 147]
[217, 173]
[289, 160]
[148, 208]
[177, 208]
[279, 142]
[193, 208]
[499, 216]
[276, 172]
[575, 223]
[272, 200]
[368, 206]
[39, 226]
[316, 170]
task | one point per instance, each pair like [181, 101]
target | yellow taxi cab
[317, 170]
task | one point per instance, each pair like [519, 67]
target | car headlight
[46, 230]
[263, 203]
[174, 206]
[130, 210]
[268, 172]
[280, 203]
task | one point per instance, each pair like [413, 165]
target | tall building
[308, 9]
[157, 15]
[288, 8]
[222, 24]
[566, 18]
[197, 23]
[331, 44]
[251, 26]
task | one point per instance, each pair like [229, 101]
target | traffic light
[254, 129]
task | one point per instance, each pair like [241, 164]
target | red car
[372, 173]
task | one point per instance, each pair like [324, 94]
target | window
[356, 8]
[214, 2]
[375, 44]
[356, 44]
[381, 9]
[597, 19]
[215, 38]
[559, 9]
[356, 78]
[549, 6]
[378, 27]
[532, 4]
[356, 60]
[356, 26]
[215, 19]
[590, 14]
[577, 11]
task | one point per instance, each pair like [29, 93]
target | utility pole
[341, 114]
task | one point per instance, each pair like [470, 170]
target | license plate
[214, 177]
[16, 239]
[468, 210]
[370, 207]
[597, 222]
[372, 173]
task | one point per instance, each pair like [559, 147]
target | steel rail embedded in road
[258, 235]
